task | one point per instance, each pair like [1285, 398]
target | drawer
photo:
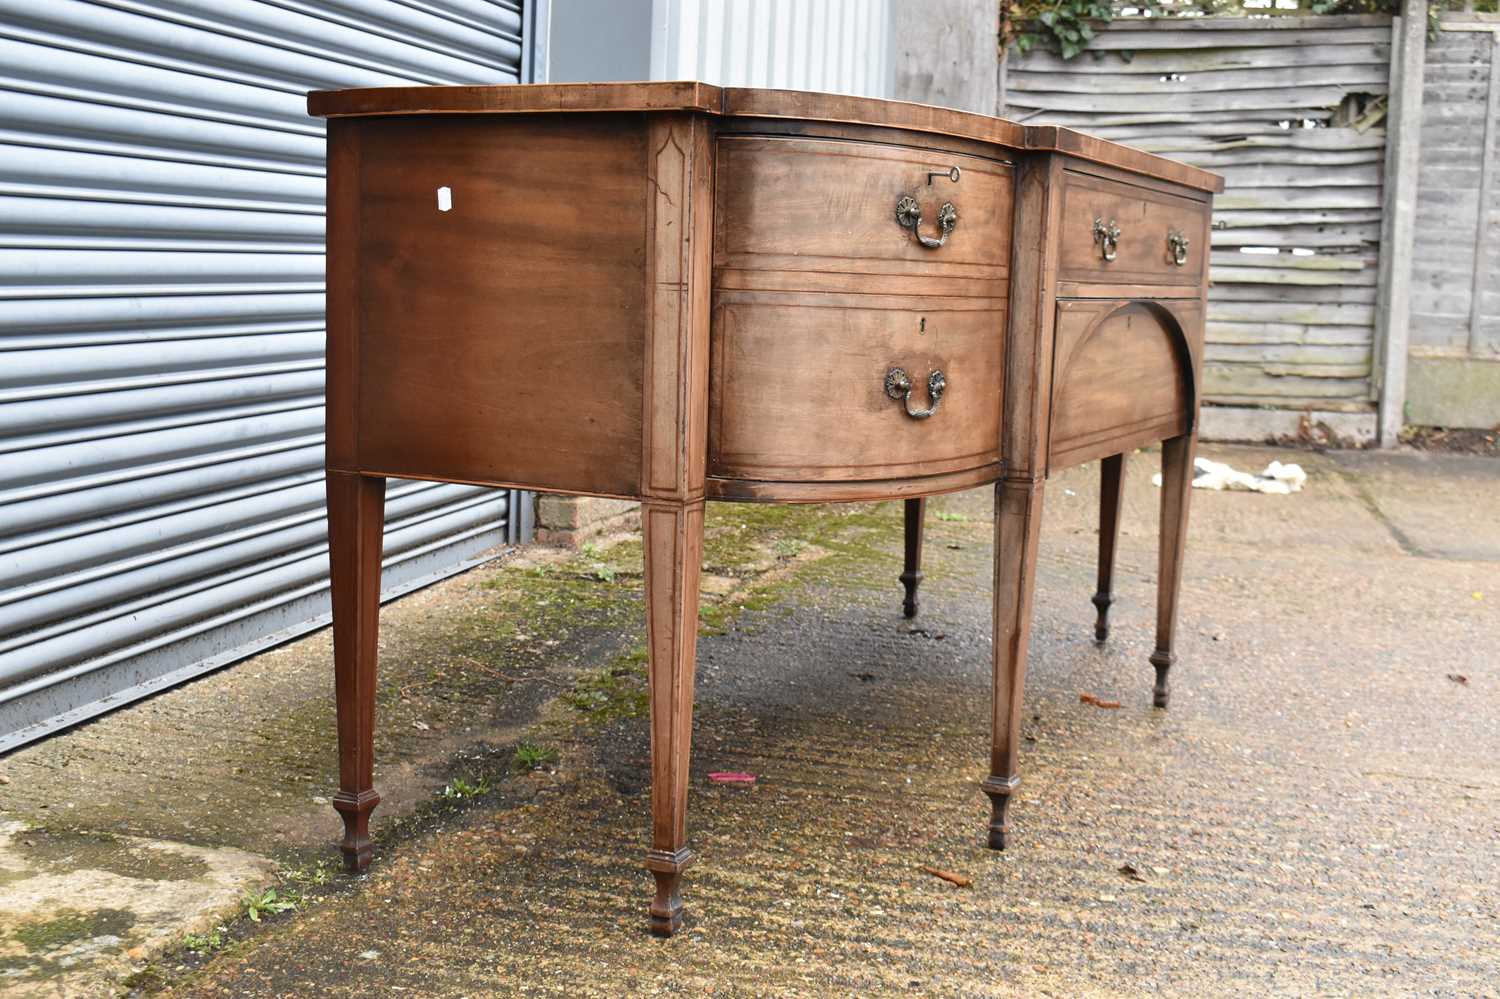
[798, 388]
[799, 214]
[1117, 233]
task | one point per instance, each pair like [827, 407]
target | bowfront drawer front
[1118, 233]
[798, 214]
[813, 389]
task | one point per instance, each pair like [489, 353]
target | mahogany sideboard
[675, 292]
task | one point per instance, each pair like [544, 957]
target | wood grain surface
[797, 387]
[1123, 377]
[503, 340]
[1145, 218]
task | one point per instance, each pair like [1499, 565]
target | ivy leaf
[1048, 17]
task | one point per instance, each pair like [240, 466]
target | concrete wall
[599, 41]
[835, 46]
[944, 52]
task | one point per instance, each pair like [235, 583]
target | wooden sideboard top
[748, 102]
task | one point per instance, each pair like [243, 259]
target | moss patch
[54, 849]
[71, 926]
[619, 690]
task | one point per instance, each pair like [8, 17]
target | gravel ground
[1317, 814]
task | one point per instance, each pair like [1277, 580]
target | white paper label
[445, 199]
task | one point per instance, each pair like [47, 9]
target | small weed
[956, 518]
[268, 903]
[458, 788]
[602, 572]
[589, 549]
[530, 756]
[317, 875]
[788, 547]
[618, 691]
[203, 943]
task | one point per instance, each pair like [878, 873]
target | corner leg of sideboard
[1018, 515]
[911, 575]
[355, 809]
[673, 540]
[666, 908]
[1111, 497]
[356, 523]
[1176, 490]
[1000, 790]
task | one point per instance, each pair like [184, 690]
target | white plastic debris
[1277, 478]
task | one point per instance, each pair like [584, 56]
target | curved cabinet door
[1123, 375]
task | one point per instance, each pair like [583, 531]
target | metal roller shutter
[161, 333]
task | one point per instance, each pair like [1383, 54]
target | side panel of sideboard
[494, 334]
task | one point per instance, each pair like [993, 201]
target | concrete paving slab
[78, 911]
[1316, 814]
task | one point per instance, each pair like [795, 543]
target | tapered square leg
[356, 521]
[1176, 490]
[911, 576]
[673, 536]
[1018, 516]
[1111, 497]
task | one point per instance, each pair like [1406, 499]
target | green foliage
[1065, 26]
[788, 547]
[268, 903]
[316, 875]
[617, 691]
[458, 788]
[204, 943]
[530, 756]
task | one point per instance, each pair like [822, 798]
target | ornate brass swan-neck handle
[1107, 236]
[898, 386]
[909, 216]
[1177, 246]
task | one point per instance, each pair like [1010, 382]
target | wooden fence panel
[1290, 111]
[1453, 332]
[1456, 128]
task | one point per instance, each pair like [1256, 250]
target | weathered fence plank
[1315, 70]
[1156, 62]
[1261, 101]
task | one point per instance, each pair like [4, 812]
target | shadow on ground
[1317, 813]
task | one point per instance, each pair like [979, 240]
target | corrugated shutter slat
[161, 332]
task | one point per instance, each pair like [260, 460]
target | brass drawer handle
[898, 386]
[1107, 235]
[1177, 245]
[909, 216]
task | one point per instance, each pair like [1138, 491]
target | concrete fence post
[1403, 147]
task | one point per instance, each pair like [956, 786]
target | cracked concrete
[1317, 813]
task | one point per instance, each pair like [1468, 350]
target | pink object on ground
[731, 777]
